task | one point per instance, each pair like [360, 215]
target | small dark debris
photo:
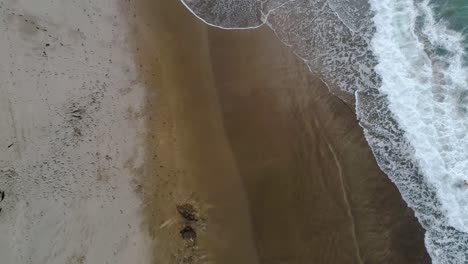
[188, 233]
[2, 195]
[77, 113]
[47, 44]
[187, 211]
[44, 53]
[139, 188]
[11, 145]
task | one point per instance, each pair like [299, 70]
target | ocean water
[454, 14]
[404, 65]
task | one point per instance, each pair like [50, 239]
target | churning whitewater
[403, 63]
[427, 92]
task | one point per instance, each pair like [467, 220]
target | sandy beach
[131, 132]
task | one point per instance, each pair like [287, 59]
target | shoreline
[299, 179]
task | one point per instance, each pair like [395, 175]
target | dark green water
[455, 14]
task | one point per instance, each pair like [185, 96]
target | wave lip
[227, 14]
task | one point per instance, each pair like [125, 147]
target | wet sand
[275, 166]
[191, 156]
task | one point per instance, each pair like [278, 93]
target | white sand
[68, 111]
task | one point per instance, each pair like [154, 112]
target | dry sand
[270, 159]
[68, 88]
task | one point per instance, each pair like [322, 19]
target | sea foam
[428, 95]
